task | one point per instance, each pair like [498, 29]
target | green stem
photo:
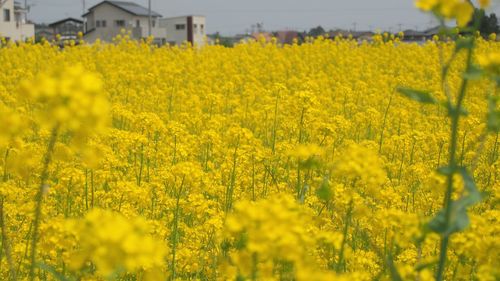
[175, 229]
[86, 190]
[232, 182]
[6, 243]
[39, 199]
[255, 269]
[275, 124]
[141, 166]
[5, 176]
[340, 263]
[384, 123]
[455, 120]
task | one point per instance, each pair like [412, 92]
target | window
[180, 26]
[137, 23]
[6, 15]
[100, 23]
[153, 23]
[120, 23]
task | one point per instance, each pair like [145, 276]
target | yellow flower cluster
[266, 235]
[68, 97]
[490, 62]
[115, 245]
[461, 10]
[262, 161]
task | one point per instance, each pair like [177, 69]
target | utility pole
[84, 11]
[149, 18]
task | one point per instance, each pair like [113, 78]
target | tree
[316, 31]
[488, 23]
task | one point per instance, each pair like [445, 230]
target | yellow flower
[427, 5]
[219, 165]
[463, 13]
[461, 10]
[484, 3]
[114, 244]
[69, 98]
[490, 62]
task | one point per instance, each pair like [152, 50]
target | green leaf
[106, 187]
[417, 95]
[422, 266]
[459, 220]
[493, 116]
[474, 196]
[494, 121]
[53, 272]
[446, 170]
[464, 43]
[324, 192]
[452, 110]
[473, 73]
[395, 276]
[497, 80]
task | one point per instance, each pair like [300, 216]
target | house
[185, 29]
[108, 19]
[357, 35]
[13, 23]
[262, 35]
[287, 36]
[43, 30]
[431, 32]
[67, 28]
[414, 36]
[241, 38]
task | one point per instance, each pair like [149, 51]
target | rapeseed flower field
[328, 160]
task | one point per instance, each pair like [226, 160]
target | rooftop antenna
[26, 8]
[149, 18]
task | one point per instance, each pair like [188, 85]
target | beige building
[107, 19]
[13, 23]
[185, 29]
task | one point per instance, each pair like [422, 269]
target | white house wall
[175, 36]
[111, 14]
[199, 34]
[12, 29]
[178, 37]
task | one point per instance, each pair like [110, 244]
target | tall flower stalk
[453, 216]
[39, 199]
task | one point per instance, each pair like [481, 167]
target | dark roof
[346, 33]
[432, 31]
[129, 7]
[65, 20]
[413, 33]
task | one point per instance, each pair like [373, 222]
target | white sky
[237, 16]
